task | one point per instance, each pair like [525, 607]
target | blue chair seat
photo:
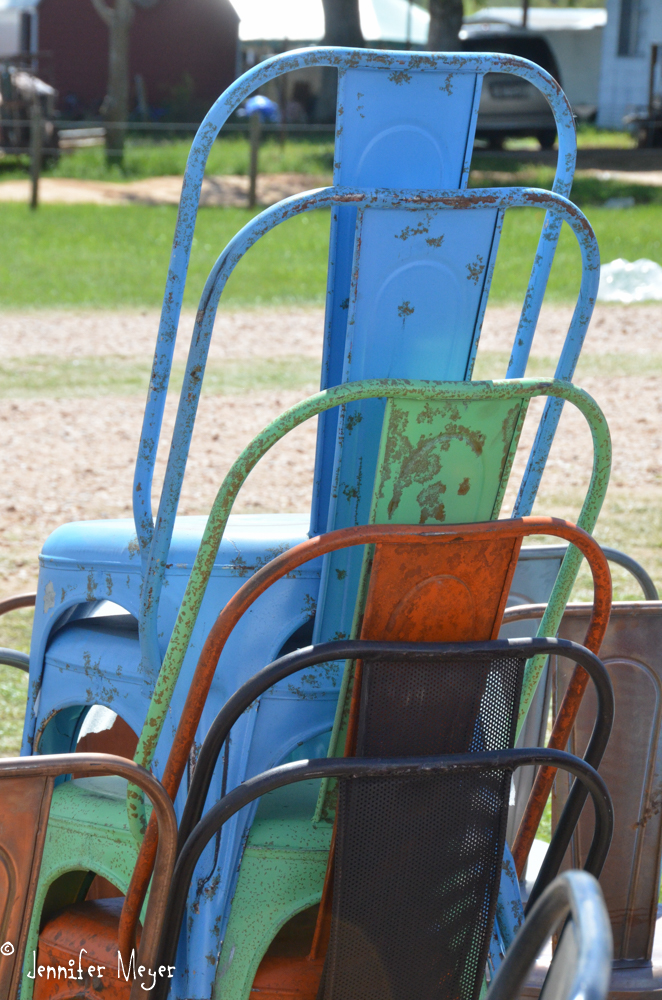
[85, 647]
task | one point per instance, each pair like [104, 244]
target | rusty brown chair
[27, 786]
[632, 767]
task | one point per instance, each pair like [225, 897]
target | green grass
[587, 191]
[312, 154]
[86, 255]
[591, 137]
[115, 375]
[630, 233]
[96, 256]
[121, 376]
[147, 158]
[15, 631]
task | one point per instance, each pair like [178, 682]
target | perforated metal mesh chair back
[418, 859]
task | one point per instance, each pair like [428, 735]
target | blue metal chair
[412, 253]
[397, 263]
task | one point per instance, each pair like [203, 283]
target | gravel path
[231, 190]
[227, 191]
[65, 460]
[285, 331]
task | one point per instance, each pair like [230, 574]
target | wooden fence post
[255, 130]
[36, 137]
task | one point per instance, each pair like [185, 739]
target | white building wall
[10, 31]
[578, 56]
[624, 78]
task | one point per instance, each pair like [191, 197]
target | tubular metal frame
[220, 729]
[575, 895]
[155, 541]
[228, 102]
[355, 767]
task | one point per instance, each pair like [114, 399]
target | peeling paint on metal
[476, 269]
[49, 597]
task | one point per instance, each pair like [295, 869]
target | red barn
[184, 50]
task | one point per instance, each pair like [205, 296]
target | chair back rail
[26, 801]
[432, 353]
[581, 967]
[351, 768]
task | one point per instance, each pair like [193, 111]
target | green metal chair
[436, 437]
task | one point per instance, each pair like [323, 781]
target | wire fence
[55, 137]
[68, 131]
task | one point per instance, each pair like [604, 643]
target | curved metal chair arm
[636, 569]
[576, 895]
[14, 658]
[99, 764]
[17, 601]
[356, 767]
[350, 649]
[613, 555]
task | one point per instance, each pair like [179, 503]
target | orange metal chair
[425, 584]
[27, 786]
[438, 583]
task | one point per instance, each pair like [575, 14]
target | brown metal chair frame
[12, 657]
[23, 872]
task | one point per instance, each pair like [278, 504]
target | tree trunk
[342, 23]
[342, 26]
[115, 107]
[116, 104]
[445, 24]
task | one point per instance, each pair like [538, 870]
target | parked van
[566, 42]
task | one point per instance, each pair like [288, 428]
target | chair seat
[94, 925]
[112, 544]
[92, 803]
[86, 652]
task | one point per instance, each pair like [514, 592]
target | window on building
[628, 28]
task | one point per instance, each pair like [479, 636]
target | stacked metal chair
[630, 880]
[412, 253]
[581, 967]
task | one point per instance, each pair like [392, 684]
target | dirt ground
[217, 192]
[70, 459]
[232, 190]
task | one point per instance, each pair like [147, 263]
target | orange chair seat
[81, 936]
[287, 972]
